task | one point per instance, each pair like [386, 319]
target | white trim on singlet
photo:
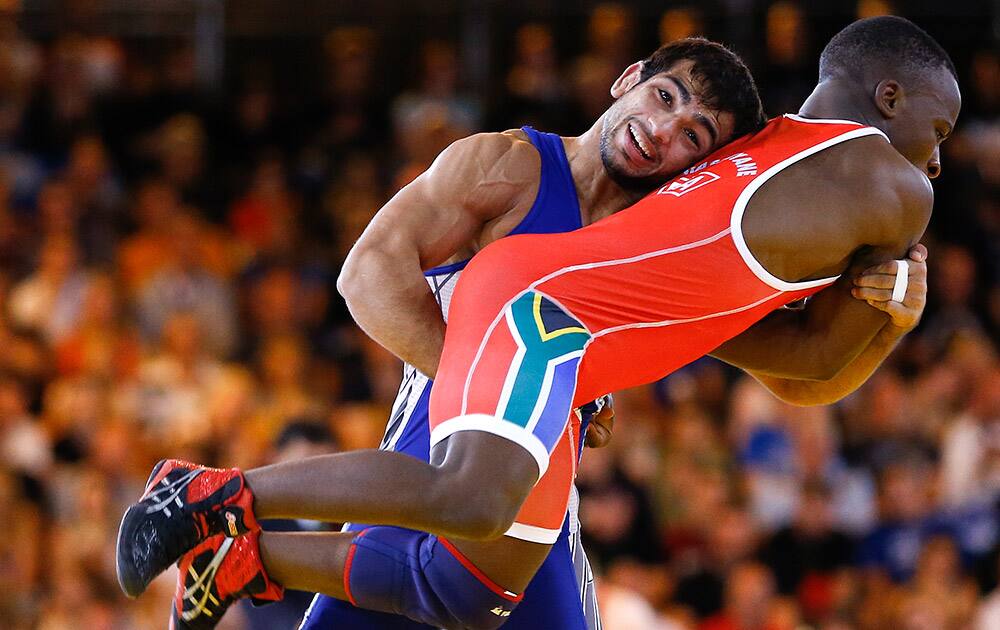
[626, 261]
[499, 427]
[690, 320]
[533, 533]
[739, 208]
[833, 121]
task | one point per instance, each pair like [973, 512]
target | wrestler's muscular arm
[838, 340]
[874, 286]
[472, 188]
[435, 218]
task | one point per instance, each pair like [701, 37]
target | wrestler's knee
[468, 462]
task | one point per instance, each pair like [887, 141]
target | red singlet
[540, 324]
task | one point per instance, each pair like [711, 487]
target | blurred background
[181, 179]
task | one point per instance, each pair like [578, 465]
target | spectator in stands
[49, 300]
[187, 284]
[807, 553]
[749, 601]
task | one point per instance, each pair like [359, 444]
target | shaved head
[886, 44]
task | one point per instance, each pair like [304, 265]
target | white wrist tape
[902, 280]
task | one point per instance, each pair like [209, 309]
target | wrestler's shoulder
[510, 149]
[872, 161]
[869, 169]
[889, 195]
[497, 163]
[492, 171]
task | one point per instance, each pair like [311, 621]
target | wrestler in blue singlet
[561, 595]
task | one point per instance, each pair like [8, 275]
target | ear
[889, 96]
[628, 80]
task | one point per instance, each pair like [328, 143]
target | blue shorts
[561, 595]
[552, 600]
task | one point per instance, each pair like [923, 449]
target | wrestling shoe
[183, 505]
[215, 574]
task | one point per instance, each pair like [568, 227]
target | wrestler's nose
[662, 128]
[934, 164]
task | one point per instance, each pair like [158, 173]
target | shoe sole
[128, 577]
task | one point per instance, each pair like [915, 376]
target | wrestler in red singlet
[540, 324]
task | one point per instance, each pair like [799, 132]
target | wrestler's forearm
[808, 393]
[414, 333]
[814, 344]
[392, 303]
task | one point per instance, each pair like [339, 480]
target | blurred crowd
[168, 253]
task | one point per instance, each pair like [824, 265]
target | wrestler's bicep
[472, 182]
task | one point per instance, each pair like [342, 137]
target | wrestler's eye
[666, 97]
[693, 137]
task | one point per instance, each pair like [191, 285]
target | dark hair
[724, 82]
[887, 40]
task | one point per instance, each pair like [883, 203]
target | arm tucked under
[874, 287]
[434, 218]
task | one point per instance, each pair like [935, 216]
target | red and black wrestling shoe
[183, 505]
[215, 574]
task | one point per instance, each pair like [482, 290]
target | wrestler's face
[658, 127]
[920, 118]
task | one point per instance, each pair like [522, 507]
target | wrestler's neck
[841, 100]
[598, 194]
